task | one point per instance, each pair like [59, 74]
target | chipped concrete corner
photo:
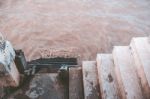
[8, 72]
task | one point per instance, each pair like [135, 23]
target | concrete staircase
[122, 74]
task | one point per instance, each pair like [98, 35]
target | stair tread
[126, 74]
[90, 80]
[75, 83]
[141, 51]
[107, 77]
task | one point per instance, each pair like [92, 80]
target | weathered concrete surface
[43, 86]
[9, 75]
[107, 77]
[84, 27]
[128, 81]
[90, 80]
[141, 53]
[75, 83]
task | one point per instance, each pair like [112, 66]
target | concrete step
[90, 80]
[44, 86]
[107, 78]
[75, 83]
[141, 51]
[126, 75]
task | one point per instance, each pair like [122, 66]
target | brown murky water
[79, 28]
